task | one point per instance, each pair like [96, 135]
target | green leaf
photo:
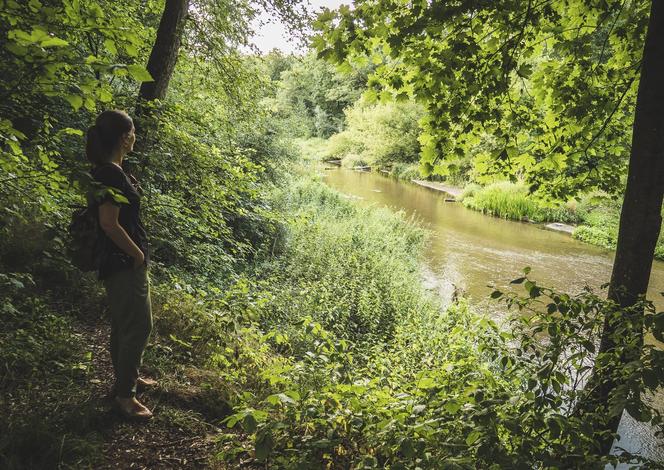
[473, 437]
[75, 101]
[426, 382]
[117, 196]
[496, 294]
[264, 444]
[406, 448]
[105, 96]
[72, 131]
[109, 44]
[131, 50]
[249, 423]
[139, 73]
[54, 42]
[452, 406]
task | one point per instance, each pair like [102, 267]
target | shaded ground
[183, 433]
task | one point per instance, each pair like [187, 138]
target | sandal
[145, 383]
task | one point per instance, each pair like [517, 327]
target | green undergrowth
[43, 365]
[352, 269]
[600, 226]
[362, 377]
[325, 352]
[512, 201]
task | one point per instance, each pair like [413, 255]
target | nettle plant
[494, 398]
[556, 343]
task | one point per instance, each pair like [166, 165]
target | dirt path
[183, 433]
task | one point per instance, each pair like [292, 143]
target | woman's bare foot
[143, 383]
[132, 408]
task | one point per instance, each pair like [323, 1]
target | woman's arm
[108, 220]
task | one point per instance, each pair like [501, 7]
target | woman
[123, 260]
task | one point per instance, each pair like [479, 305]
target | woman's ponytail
[105, 135]
[94, 149]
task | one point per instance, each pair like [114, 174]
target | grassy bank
[600, 224]
[512, 201]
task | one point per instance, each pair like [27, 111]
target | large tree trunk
[640, 218]
[164, 53]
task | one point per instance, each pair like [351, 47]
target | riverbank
[457, 193]
[333, 319]
[591, 221]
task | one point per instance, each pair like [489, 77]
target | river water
[469, 251]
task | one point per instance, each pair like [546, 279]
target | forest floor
[183, 433]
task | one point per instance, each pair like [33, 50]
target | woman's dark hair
[104, 137]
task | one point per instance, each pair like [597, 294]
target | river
[469, 251]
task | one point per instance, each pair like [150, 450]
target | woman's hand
[139, 260]
[108, 219]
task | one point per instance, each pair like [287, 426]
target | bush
[451, 387]
[380, 135]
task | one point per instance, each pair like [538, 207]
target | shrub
[381, 135]
[452, 387]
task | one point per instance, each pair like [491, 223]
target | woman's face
[130, 139]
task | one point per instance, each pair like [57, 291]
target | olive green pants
[131, 323]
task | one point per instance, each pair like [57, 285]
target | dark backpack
[84, 238]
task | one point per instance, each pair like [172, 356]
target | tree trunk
[164, 53]
[640, 218]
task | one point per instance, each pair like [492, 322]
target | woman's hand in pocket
[139, 260]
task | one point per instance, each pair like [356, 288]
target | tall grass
[513, 201]
[353, 269]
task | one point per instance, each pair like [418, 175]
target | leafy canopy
[549, 83]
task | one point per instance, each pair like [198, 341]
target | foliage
[340, 266]
[599, 225]
[312, 95]
[449, 387]
[380, 135]
[313, 149]
[42, 361]
[405, 171]
[274, 297]
[512, 201]
[60, 61]
[201, 158]
[552, 82]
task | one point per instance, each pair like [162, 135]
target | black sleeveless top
[111, 258]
